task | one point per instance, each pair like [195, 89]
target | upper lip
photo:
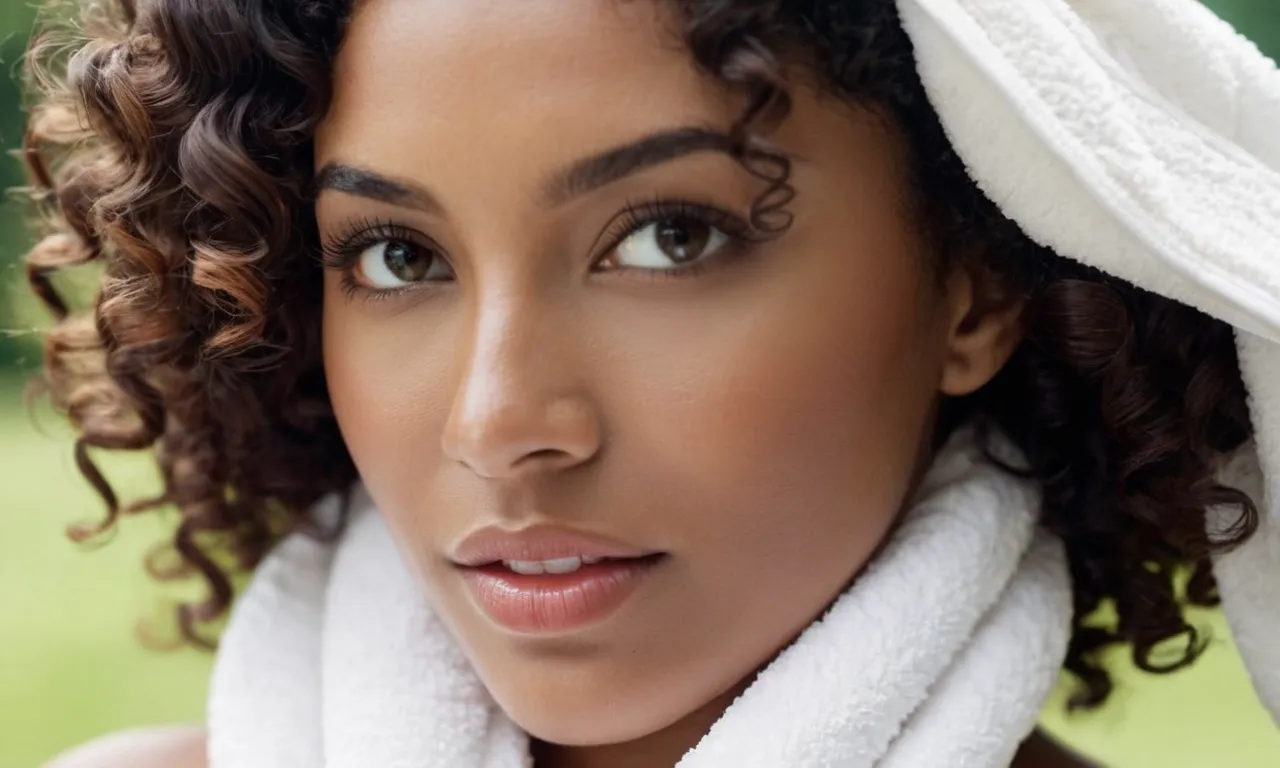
[538, 542]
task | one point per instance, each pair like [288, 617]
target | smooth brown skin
[761, 422]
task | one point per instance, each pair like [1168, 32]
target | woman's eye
[667, 244]
[394, 264]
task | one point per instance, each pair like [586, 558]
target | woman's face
[551, 324]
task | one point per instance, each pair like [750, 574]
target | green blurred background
[72, 666]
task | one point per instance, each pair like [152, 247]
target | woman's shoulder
[164, 747]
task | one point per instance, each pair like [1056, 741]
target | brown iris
[682, 240]
[406, 262]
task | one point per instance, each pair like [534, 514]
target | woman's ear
[983, 331]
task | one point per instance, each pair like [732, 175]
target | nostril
[548, 457]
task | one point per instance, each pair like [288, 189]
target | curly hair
[173, 146]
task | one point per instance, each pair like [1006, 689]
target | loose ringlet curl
[171, 144]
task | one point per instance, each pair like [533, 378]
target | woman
[652, 331]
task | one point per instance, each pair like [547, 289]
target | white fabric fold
[290, 601]
[1141, 138]
[940, 654]
[1138, 137]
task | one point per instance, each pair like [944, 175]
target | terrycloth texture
[940, 654]
[1142, 138]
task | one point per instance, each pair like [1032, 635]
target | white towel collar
[941, 654]
[1141, 138]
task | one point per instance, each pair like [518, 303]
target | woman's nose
[522, 405]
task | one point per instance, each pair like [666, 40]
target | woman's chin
[571, 719]
[584, 710]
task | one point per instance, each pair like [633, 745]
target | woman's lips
[546, 578]
[556, 602]
[540, 543]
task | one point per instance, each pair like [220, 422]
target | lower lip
[552, 602]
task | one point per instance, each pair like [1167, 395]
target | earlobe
[981, 338]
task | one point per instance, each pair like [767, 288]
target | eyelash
[341, 251]
[638, 215]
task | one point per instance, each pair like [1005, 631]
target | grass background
[72, 666]
[71, 662]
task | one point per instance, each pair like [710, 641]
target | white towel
[1141, 137]
[940, 654]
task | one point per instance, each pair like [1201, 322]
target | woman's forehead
[483, 103]
[581, 73]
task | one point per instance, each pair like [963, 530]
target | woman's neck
[662, 749]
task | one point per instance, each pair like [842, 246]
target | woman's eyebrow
[613, 164]
[374, 186]
[578, 179]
